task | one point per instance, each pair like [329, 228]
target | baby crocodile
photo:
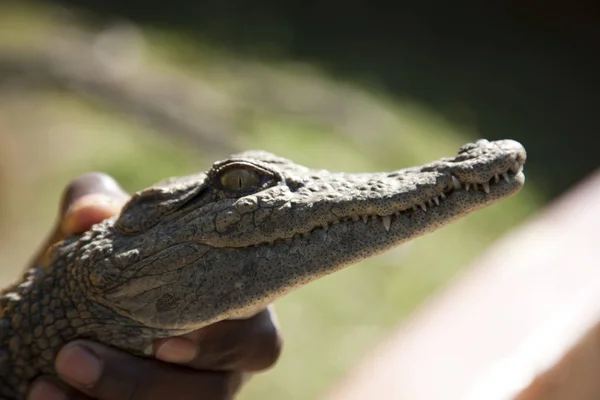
[195, 250]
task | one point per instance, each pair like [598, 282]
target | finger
[104, 373]
[51, 388]
[90, 199]
[87, 200]
[252, 344]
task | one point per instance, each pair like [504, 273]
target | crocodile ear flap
[149, 206]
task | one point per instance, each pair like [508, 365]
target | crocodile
[191, 251]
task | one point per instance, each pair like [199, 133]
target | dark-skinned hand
[209, 364]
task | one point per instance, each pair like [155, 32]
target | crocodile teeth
[365, 218]
[387, 222]
[414, 208]
[486, 187]
[442, 195]
[423, 206]
[436, 200]
[505, 176]
[496, 178]
[456, 182]
[467, 186]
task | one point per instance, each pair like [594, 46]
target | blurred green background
[145, 90]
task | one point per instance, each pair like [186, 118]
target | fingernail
[92, 183]
[46, 391]
[88, 210]
[96, 200]
[177, 350]
[79, 365]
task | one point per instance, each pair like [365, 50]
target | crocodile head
[195, 250]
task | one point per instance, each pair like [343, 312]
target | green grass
[331, 323]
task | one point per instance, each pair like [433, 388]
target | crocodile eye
[239, 179]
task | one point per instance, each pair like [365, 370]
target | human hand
[209, 364]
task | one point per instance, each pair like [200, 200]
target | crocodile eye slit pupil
[239, 179]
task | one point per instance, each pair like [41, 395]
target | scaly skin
[192, 251]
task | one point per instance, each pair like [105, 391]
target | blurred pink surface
[516, 326]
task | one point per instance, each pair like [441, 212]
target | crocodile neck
[37, 319]
[49, 308]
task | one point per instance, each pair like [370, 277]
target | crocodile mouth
[511, 178]
[507, 177]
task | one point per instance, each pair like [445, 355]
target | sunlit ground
[48, 137]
